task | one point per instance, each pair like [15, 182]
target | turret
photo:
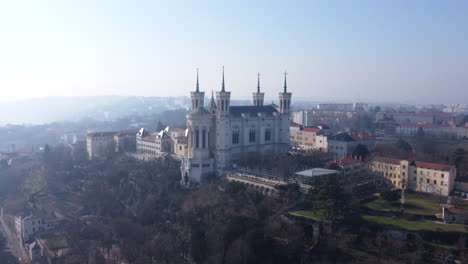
[257, 98]
[223, 99]
[285, 98]
[197, 96]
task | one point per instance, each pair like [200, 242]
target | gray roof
[237, 111]
[316, 172]
[343, 136]
[199, 111]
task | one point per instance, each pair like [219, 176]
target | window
[435, 173]
[415, 178]
[421, 173]
[197, 139]
[435, 181]
[203, 139]
[252, 135]
[267, 135]
[404, 166]
[420, 179]
[428, 174]
[235, 137]
[428, 181]
[442, 183]
[441, 175]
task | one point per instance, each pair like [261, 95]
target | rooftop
[387, 160]
[433, 166]
[237, 111]
[101, 134]
[316, 172]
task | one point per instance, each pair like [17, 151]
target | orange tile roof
[387, 160]
[311, 129]
[434, 166]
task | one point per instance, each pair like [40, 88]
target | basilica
[220, 134]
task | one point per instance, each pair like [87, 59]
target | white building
[444, 131]
[221, 134]
[153, 145]
[100, 144]
[27, 227]
[343, 144]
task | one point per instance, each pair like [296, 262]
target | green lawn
[381, 204]
[309, 213]
[414, 225]
[416, 203]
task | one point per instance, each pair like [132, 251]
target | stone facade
[419, 176]
[221, 134]
[100, 144]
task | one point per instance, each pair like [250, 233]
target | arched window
[268, 134]
[203, 139]
[197, 138]
[252, 135]
[235, 136]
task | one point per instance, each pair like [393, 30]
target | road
[13, 243]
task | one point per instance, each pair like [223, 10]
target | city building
[419, 176]
[443, 131]
[153, 145]
[454, 215]
[343, 144]
[342, 107]
[221, 134]
[349, 165]
[414, 118]
[27, 227]
[100, 144]
[303, 117]
[304, 137]
[125, 141]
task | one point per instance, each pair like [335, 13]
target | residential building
[100, 144]
[125, 141]
[303, 117]
[303, 137]
[343, 144]
[153, 145]
[349, 165]
[27, 227]
[455, 215]
[414, 118]
[342, 107]
[221, 134]
[444, 131]
[419, 176]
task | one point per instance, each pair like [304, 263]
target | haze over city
[373, 51]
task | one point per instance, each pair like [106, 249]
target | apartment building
[100, 144]
[308, 138]
[436, 178]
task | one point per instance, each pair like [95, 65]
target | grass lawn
[423, 203]
[416, 203]
[381, 204]
[414, 225]
[309, 213]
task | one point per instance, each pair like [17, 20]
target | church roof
[237, 111]
[212, 104]
[199, 111]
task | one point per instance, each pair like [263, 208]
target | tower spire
[258, 82]
[285, 84]
[198, 84]
[222, 85]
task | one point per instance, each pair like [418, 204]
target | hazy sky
[372, 50]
